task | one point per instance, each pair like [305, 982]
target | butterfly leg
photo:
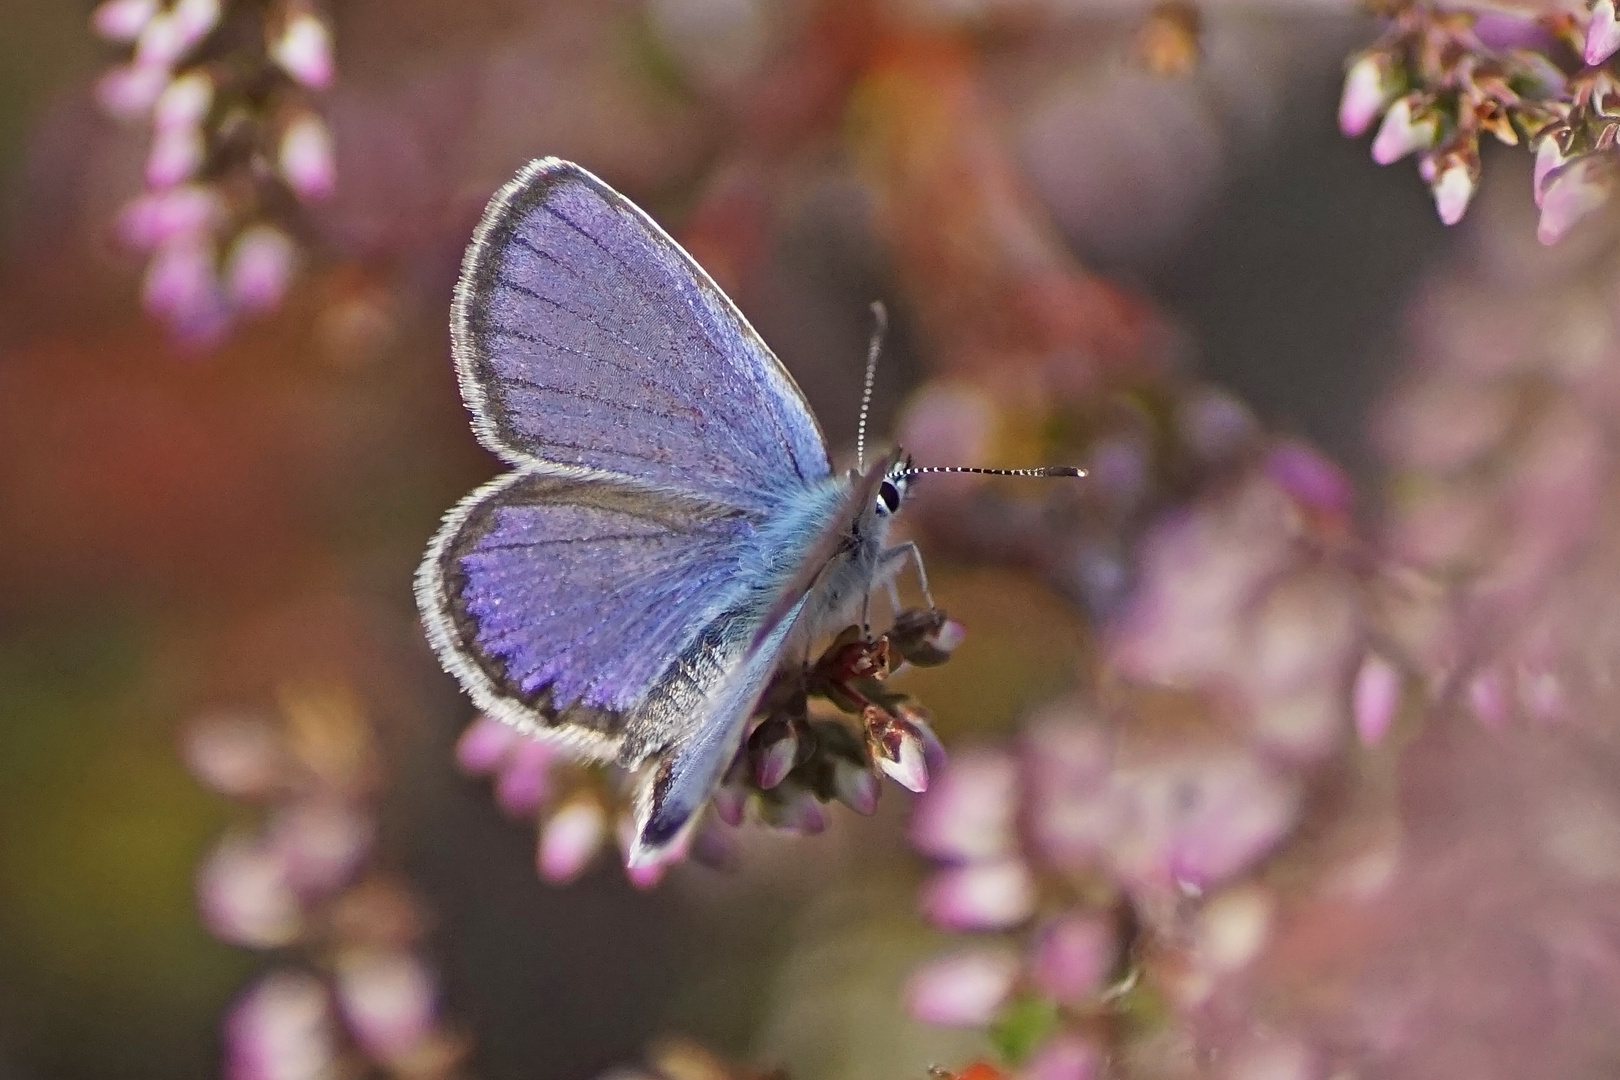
[901, 551]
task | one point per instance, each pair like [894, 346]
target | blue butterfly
[671, 528]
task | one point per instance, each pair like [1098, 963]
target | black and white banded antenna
[1050, 470]
[880, 327]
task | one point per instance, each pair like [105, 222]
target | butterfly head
[891, 490]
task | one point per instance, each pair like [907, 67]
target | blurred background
[1345, 530]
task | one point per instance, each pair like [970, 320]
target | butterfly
[671, 529]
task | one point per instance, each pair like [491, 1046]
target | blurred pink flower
[1064, 1057]
[122, 21]
[388, 999]
[281, 1029]
[1071, 956]
[1368, 87]
[304, 51]
[970, 811]
[239, 756]
[991, 895]
[306, 159]
[963, 989]
[259, 268]
[244, 894]
[130, 90]
[1375, 698]
[570, 838]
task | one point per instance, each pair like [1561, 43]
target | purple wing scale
[587, 340]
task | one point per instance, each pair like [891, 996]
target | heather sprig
[822, 733]
[300, 880]
[227, 88]
[1439, 86]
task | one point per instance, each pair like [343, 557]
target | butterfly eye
[888, 498]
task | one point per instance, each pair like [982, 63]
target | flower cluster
[1439, 86]
[301, 879]
[236, 144]
[791, 763]
[1092, 848]
[1501, 442]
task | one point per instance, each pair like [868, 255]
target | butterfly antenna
[880, 327]
[1051, 470]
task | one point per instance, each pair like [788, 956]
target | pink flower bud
[1573, 192]
[570, 839]
[184, 103]
[1602, 33]
[1310, 479]
[1404, 130]
[1548, 157]
[388, 999]
[905, 763]
[963, 989]
[795, 809]
[244, 897]
[163, 217]
[970, 812]
[320, 844]
[182, 287]
[195, 20]
[1072, 956]
[1367, 89]
[730, 802]
[856, 787]
[306, 158]
[1488, 697]
[980, 896]
[176, 155]
[1064, 1057]
[259, 268]
[161, 42]
[1376, 697]
[485, 744]
[1453, 189]
[130, 91]
[238, 756]
[122, 21]
[304, 51]
[774, 749]
[281, 1029]
[525, 777]
[904, 747]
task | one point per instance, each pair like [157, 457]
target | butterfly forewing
[587, 339]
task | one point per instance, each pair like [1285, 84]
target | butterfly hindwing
[587, 339]
[560, 602]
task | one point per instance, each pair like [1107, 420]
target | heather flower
[1571, 192]
[1602, 33]
[304, 51]
[1369, 86]
[1409, 125]
[388, 998]
[1375, 698]
[305, 158]
[282, 1028]
[963, 989]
